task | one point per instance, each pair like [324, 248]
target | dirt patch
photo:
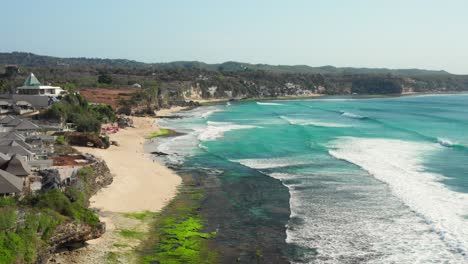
[70, 160]
[111, 97]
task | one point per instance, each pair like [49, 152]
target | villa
[32, 86]
[36, 94]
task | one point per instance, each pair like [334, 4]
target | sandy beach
[139, 185]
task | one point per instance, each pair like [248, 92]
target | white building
[40, 96]
[32, 86]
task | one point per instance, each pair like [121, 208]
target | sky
[426, 34]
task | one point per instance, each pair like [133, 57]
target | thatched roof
[10, 183]
[17, 166]
[4, 158]
[7, 119]
[14, 142]
[14, 122]
[12, 135]
[15, 148]
[26, 125]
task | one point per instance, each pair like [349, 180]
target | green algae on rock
[178, 235]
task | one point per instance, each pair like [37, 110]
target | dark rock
[50, 179]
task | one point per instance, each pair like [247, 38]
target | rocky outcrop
[100, 178]
[70, 235]
[85, 140]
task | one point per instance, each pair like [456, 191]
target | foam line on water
[352, 115]
[308, 122]
[216, 130]
[399, 164]
[271, 163]
[267, 103]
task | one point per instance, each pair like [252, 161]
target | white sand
[139, 183]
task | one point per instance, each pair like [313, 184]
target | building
[5, 107]
[11, 70]
[17, 166]
[37, 94]
[32, 86]
[23, 107]
[10, 184]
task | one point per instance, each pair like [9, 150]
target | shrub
[60, 140]
[87, 124]
[103, 112]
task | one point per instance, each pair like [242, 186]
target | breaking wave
[351, 115]
[308, 122]
[271, 163]
[265, 103]
[399, 164]
[216, 130]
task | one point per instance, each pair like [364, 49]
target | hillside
[32, 60]
[185, 80]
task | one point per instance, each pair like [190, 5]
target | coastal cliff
[74, 233]
[38, 225]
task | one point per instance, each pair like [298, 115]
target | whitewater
[370, 181]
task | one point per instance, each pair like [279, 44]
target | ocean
[332, 179]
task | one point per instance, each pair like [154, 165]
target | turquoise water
[369, 180]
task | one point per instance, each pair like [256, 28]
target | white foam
[400, 165]
[445, 142]
[308, 122]
[333, 99]
[216, 130]
[178, 148]
[209, 112]
[271, 163]
[265, 103]
[351, 115]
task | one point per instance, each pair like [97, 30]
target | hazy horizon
[363, 34]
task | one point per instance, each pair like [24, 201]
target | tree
[70, 88]
[150, 95]
[104, 78]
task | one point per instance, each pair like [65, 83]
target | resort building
[32, 86]
[36, 94]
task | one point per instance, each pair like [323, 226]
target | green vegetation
[178, 235]
[60, 140]
[140, 216]
[112, 257]
[131, 234]
[27, 225]
[74, 108]
[162, 132]
[104, 77]
[120, 245]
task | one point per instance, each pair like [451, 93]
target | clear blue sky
[429, 34]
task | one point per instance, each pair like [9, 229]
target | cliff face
[100, 178]
[69, 234]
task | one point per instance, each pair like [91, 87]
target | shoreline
[141, 188]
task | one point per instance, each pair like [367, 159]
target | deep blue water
[370, 180]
